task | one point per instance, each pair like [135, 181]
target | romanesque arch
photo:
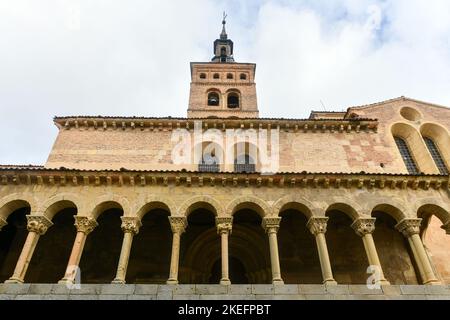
[440, 137]
[53, 249]
[299, 259]
[393, 249]
[249, 202]
[347, 254]
[102, 249]
[200, 202]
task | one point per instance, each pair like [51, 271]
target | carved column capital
[446, 227]
[178, 224]
[85, 224]
[364, 226]
[131, 225]
[2, 223]
[224, 224]
[317, 225]
[38, 224]
[271, 224]
[409, 227]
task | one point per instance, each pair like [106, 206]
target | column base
[278, 282]
[383, 282]
[330, 282]
[225, 282]
[172, 282]
[14, 280]
[118, 281]
[66, 281]
[433, 282]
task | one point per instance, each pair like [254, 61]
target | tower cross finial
[224, 35]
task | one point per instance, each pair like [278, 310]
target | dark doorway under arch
[12, 239]
[52, 252]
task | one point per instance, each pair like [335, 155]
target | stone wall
[218, 292]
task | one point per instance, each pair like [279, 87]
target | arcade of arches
[203, 246]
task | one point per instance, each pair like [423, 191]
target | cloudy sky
[131, 57]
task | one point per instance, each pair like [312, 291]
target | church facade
[226, 197]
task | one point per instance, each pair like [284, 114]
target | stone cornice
[71, 177]
[168, 124]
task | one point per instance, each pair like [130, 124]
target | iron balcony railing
[202, 167]
[241, 168]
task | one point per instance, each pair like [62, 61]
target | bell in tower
[223, 88]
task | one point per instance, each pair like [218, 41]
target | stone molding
[38, 224]
[364, 226]
[85, 224]
[409, 227]
[317, 225]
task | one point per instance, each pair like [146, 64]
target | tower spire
[223, 35]
[223, 47]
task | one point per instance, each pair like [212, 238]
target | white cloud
[132, 57]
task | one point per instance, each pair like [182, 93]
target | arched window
[216, 76]
[243, 76]
[436, 155]
[223, 52]
[229, 76]
[233, 100]
[213, 99]
[202, 75]
[406, 155]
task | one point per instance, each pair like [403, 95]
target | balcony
[202, 167]
[244, 168]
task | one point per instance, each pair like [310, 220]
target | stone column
[37, 226]
[410, 228]
[2, 223]
[365, 228]
[318, 227]
[178, 225]
[224, 227]
[85, 225]
[130, 227]
[271, 225]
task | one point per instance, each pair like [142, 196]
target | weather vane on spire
[224, 35]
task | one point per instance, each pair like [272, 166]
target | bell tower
[223, 88]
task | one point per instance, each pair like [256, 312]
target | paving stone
[40, 289]
[341, 289]
[312, 289]
[263, 289]
[7, 297]
[184, 289]
[186, 297]
[89, 289]
[146, 289]
[166, 288]
[286, 289]
[12, 288]
[363, 289]
[438, 297]
[211, 289]
[367, 297]
[141, 297]
[437, 290]
[60, 289]
[113, 297]
[318, 297]
[266, 297]
[391, 290]
[226, 297]
[416, 289]
[240, 289]
[55, 297]
[288, 297]
[164, 296]
[29, 297]
[120, 289]
[83, 297]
